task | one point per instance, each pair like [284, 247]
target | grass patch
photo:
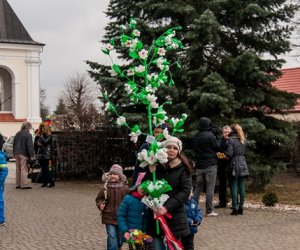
[286, 185]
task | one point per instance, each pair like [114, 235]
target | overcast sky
[71, 30]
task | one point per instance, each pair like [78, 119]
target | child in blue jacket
[131, 212]
[3, 175]
[194, 217]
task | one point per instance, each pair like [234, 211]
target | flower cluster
[137, 238]
[151, 70]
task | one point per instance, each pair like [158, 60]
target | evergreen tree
[230, 62]
[61, 108]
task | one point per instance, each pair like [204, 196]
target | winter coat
[236, 153]
[115, 195]
[194, 214]
[131, 214]
[44, 147]
[23, 144]
[205, 145]
[181, 182]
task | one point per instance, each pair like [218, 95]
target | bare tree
[79, 100]
[43, 107]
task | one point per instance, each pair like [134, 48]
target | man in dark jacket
[23, 150]
[206, 147]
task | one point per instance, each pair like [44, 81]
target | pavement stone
[65, 218]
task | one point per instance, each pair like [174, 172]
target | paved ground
[65, 218]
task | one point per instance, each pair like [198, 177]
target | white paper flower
[107, 106]
[136, 32]
[174, 45]
[128, 88]
[109, 46]
[161, 155]
[152, 99]
[133, 44]
[128, 43]
[150, 89]
[152, 77]
[143, 54]
[112, 72]
[140, 69]
[141, 155]
[168, 40]
[130, 72]
[161, 63]
[161, 51]
[174, 120]
[121, 120]
[166, 133]
[134, 136]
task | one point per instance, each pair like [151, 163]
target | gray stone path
[66, 218]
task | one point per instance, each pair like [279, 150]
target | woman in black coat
[177, 173]
[43, 144]
[238, 168]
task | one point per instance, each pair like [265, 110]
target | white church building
[19, 73]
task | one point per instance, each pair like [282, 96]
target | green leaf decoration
[134, 55]
[116, 68]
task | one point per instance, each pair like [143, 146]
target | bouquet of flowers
[138, 240]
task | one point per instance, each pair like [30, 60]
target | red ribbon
[171, 240]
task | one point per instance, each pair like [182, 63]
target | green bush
[269, 199]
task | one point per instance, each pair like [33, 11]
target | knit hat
[174, 141]
[118, 170]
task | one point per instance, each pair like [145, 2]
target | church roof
[290, 82]
[11, 28]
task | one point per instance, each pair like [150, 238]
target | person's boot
[240, 211]
[234, 211]
[52, 184]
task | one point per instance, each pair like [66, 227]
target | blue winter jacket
[194, 214]
[131, 214]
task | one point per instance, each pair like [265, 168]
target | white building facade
[19, 73]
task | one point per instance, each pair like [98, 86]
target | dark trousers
[222, 173]
[188, 242]
[46, 174]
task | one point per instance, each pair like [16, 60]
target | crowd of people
[122, 208]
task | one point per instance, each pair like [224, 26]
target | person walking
[43, 145]
[206, 148]
[23, 151]
[108, 200]
[223, 165]
[239, 169]
[177, 173]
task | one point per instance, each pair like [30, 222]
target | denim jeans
[3, 174]
[237, 185]
[206, 176]
[114, 237]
